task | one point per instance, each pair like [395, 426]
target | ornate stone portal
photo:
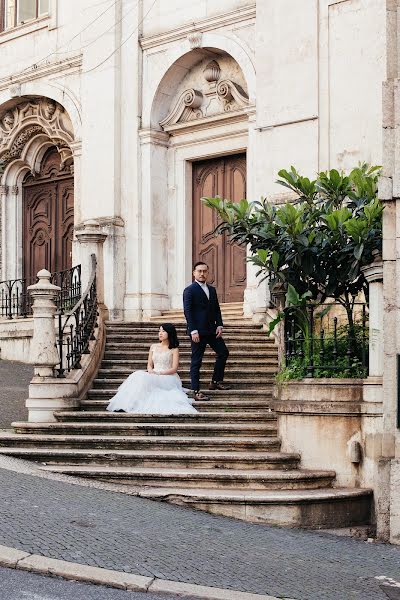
[22, 123]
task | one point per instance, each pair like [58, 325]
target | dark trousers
[219, 347]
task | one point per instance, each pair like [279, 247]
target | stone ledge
[320, 390]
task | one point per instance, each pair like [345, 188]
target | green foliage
[317, 244]
[297, 367]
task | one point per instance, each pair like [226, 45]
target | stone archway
[28, 129]
[200, 111]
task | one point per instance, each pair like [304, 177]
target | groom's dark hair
[200, 262]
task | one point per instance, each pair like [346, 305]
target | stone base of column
[49, 395]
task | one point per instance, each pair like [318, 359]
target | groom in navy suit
[204, 325]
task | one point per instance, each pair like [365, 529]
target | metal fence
[15, 300]
[323, 340]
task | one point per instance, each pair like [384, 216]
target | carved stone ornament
[186, 109]
[214, 99]
[195, 39]
[20, 124]
[212, 72]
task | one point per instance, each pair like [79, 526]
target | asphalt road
[21, 585]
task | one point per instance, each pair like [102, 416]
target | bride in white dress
[157, 391]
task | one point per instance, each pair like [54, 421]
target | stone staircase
[232, 312]
[226, 459]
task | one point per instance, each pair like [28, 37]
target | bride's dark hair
[172, 335]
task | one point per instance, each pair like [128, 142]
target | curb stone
[17, 559]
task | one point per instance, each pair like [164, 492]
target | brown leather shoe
[200, 396]
[218, 385]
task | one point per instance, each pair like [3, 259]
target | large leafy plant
[318, 243]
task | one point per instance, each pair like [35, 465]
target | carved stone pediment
[213, 97]
[23, 122]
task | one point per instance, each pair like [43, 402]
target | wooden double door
[48, 217]
[225, 177]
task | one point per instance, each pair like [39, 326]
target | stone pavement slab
[14, 383]
[88, 525]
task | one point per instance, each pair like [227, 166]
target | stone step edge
[139, 439]
[249, 496]
[42, 565]
[166, 454]
[185, 473]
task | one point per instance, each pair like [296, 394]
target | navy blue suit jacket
[201, 313]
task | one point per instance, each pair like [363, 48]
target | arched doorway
[48, 216]
[226, 177]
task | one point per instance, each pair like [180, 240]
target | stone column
[91, 239]
[3, 228]
[43, 352]
[373, 273]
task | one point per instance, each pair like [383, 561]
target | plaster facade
[118, 72]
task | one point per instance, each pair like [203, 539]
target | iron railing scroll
[76, 328]
[320, 342]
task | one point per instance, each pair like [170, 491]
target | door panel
[48, 218]
[226, 177]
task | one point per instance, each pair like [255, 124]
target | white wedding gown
[147, 394]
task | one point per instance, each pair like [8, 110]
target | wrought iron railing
[76, 328]
[71, 288]
[324, 341]
[15, 300]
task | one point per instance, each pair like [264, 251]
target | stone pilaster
[91, 239]
[3, 200]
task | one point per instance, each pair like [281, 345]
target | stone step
[228, 319]
[225, 308]
[220, 395]
[112, 381]
[259, 351]
[232, 368]
[120, 442]
[328, 508]
[155, 428]
[200, 417]
[249, 330]
[255, 406]
[113, 352]
[206, 478]
[155, 458]
[120, 359]
[151, 337]
[268, 372]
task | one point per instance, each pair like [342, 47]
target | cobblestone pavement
[20, 585]
[117, 531]
[14, 382]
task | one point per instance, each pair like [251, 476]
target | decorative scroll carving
[216, 97]
[186, 109]
[25, 121]
[232, 95]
